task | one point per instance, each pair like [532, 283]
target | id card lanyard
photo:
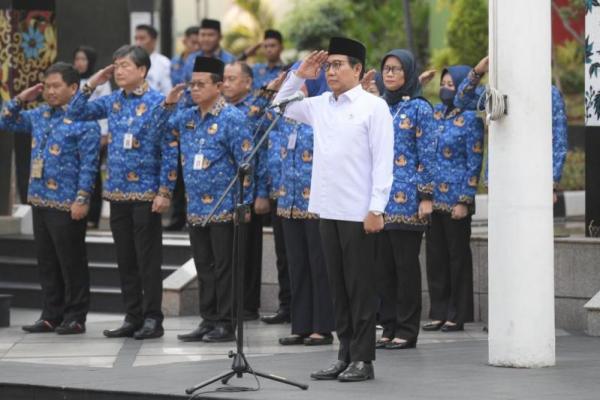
[37, 165]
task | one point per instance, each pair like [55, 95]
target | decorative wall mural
[27, 48]
[592, 63]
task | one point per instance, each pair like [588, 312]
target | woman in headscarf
[84, 61]
[410, 203]
[459, 156]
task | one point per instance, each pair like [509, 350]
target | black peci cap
[211, 24]
[209, 64]
[348, 47]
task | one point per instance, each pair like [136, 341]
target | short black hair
[69, 74]
[192, 30]
[138, 55]
[148, 28]
[246, 70]
[353, 61]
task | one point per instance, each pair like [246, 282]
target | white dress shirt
[159, 76]
[353, 153]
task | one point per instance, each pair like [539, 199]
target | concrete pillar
[521, 246]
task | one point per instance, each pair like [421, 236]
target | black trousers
[62, 264]
[253, 263]
[212, 251]
[350, 259]
[22, 148]
[283, 275]
[399, 283]
[178, 201]
[312, 308]
[96, 198]
[450, 268]
[137, 233]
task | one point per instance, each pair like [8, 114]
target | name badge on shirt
[198, 161]
[37, 167]
[128, 141]
[292, 141]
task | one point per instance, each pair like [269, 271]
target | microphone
[299, 95]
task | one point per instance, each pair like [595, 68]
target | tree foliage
[379, 24]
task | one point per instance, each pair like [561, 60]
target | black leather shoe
[409, 344]
[70, 328]
[150, 330]
[125, 330]
[197, 334]
[330, 373]
[325, 340]
[280, 317]
[40, 326]
[380, 343]
[433, 326]
[357, 371]
[221, 333]
[291, 340]
[453, 328]
[250, 315]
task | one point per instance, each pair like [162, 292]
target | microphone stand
[240, 365]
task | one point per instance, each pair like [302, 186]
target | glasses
[198, 84]
[335, 65]
[392, 69]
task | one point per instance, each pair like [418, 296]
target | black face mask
[447, 96]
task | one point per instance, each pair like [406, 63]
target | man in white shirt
[351, 181]
[159, 75]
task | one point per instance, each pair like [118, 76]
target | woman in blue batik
[470, 91]
[459, 155]
[398, 267]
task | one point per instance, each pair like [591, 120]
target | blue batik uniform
[263, 74]
[292, 155]
[69, 150]
[149, 166]
[414, 163]
[559, 135]
[459, 156]
[177, 69]
[212, 148]
[469, 93]
[253, 107]
[188, 66]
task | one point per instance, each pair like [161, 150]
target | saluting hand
[368, 82]
[311, 66]
[252, 50]
[101, 76]
[276, 83]
[31, 93]
[483, 66]
[175, 94]
[427, 76]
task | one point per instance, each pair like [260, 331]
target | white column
[521, 243]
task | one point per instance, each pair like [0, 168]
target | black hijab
[91, 55]
[411, 87]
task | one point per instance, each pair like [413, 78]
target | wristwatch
[82, 200]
